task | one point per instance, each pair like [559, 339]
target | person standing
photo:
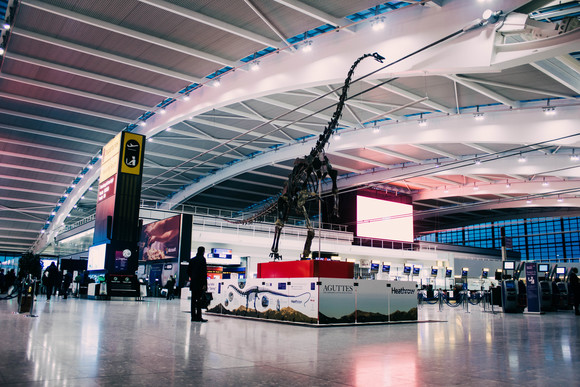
[575, 288]
[51, 277]
[170, 285]
[66, 281]
[197, 271]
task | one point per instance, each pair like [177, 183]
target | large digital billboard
[97, 255]
[383, 219]
[160, 240]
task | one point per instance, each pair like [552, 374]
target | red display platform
[308, 268]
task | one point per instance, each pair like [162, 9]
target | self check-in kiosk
[509, 289]
[545, 287]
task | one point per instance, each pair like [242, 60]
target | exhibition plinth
[314, 300]
[306, 268]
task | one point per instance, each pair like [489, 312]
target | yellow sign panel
[110, 158]
[132, 153]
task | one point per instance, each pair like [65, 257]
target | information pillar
[117, 213]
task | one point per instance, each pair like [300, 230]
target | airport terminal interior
[388, 193]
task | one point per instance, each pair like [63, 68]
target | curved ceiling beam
[333, 57]
[508, 127]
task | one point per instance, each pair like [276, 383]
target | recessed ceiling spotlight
[143, 123]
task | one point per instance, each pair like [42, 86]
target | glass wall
[555, 239]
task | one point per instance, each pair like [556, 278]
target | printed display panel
[315, 300]
[269, 298]
[337, 301]
[403, 301]
[372, 301]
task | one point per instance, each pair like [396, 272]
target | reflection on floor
[152, 343]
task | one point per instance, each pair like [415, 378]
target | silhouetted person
[66, 281]
[575, 288]
[10, 279]
[170, 285]
[2, 281]
[197, 271]
[50, 280]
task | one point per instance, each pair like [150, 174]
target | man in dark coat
[51, 275]
[575, 288]
[197, 271]
[66, 281]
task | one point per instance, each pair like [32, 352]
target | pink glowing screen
[382, 219]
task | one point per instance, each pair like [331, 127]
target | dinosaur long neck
[332, 124]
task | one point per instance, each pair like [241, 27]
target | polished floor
[78, 342]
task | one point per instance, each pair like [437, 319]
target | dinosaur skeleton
[308, 171]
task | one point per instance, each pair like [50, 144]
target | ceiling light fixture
[307, 46]
[143, 123]
[475, 187]
[6, 25]
[378, 23]
[1, 50]
[574, 157]
[255, 65]
[216, 82]
[549, 110]
[529, 201]
[376, 129]
[478, 115]
[521, 159]
[545, 183]
[422, 122]
[491, 16]
[477, 161]
[560, 200]
[507, 184]
[162, 111]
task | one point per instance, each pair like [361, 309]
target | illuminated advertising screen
[160, 240]
[543, 268]
[406, 269]
[416, 270]
[382, 219]
[386, 268]
[97, 256]
[448, 273]
[434, 271]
